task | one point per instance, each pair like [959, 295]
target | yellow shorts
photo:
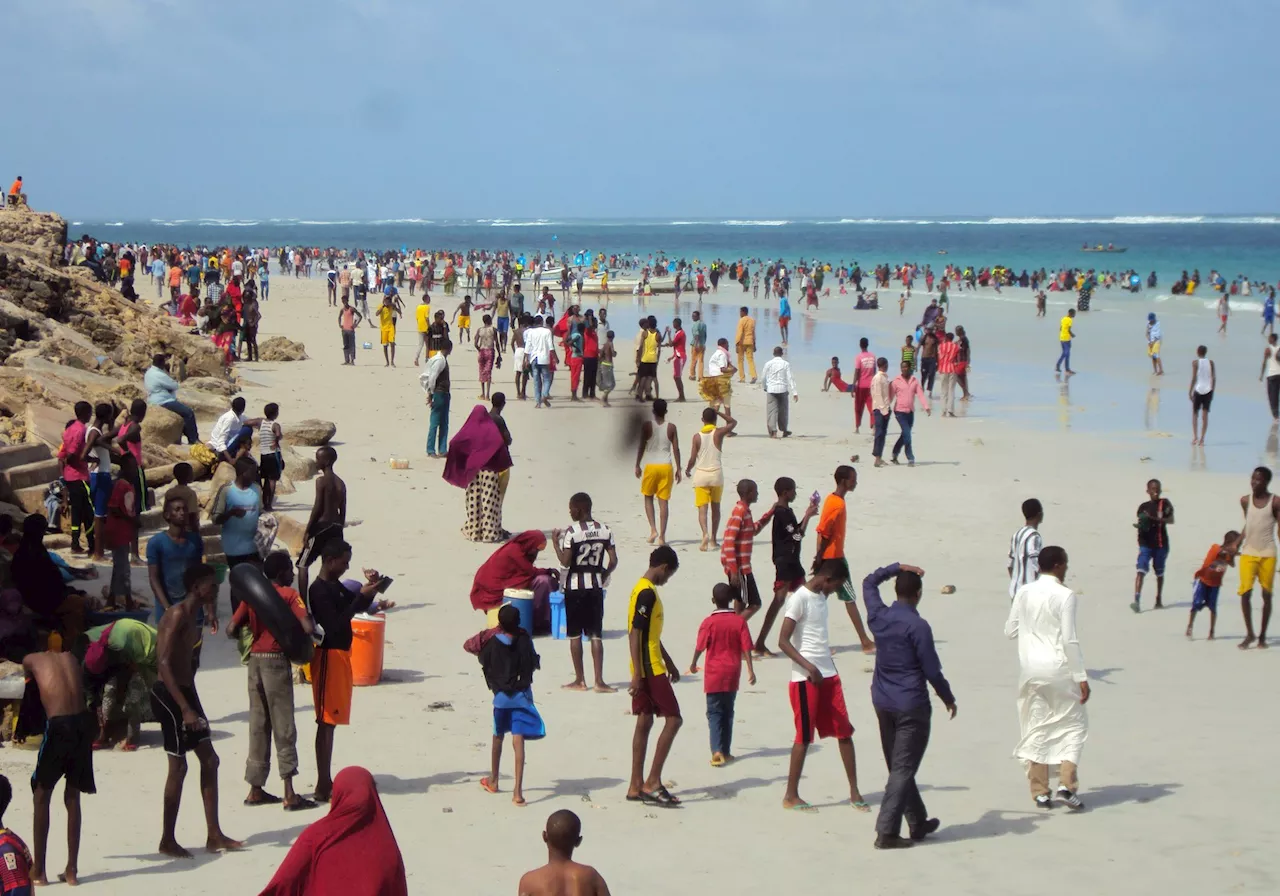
[1257, 569]
[709, 495]
[1153, 349]
[464, 322]
[657, 481]
[388, 335]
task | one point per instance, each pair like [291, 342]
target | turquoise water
[1233, 245]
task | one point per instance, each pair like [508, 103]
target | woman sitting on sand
[478, 461]
[40, 582]
[351, 850]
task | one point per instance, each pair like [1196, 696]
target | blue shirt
[905, 655]
[238, 531]
[173, 558]
[784, 307]
[161, 388]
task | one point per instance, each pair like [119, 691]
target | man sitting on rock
[232, 435]
[162, 391]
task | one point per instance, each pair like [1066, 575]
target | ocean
[1233, 245]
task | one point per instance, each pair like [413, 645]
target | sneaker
[1136, 607]
[892, 841]
[930, 825]
[1043, 801]
[1072, 801]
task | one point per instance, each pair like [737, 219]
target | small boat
[1105, 249]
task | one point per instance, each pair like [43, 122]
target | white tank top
[1273, 361]
[1259, 530]
[267, 438]
[99, 453]
[658, 449]
[1204, 376]
[708, 466]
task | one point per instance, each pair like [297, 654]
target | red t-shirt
[724, 637]
[263, 640]
[122, 514]
[947, 354]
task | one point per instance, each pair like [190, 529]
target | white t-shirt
[227, 426]
[538, 345]
[809, 611]
[718, 361]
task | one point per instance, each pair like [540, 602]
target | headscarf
[350, 852]
[477, 446]
[510, 566]
[35, 574]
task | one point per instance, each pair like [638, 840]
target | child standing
[788, 569]
[735, 548]
[724, 637]
[509, 660]
[606, 382]
[271, 466]
[1209, 580]
[120, 532]
[182, 478]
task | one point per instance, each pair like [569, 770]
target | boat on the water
[1104, 249]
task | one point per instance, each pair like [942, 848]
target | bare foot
[653, 536]
[1211, 637]
[602, 688]
[222, 841]
[171, 848]
[868, 647]
[519, 801]
[1262, 643]
[1188, 633]
[574, 686]
[762, 653]
[703, 545]
[1246, 643]
[70, 878]
[39, 879]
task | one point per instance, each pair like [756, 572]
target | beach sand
[1175, 773]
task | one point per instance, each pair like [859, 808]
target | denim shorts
[1149, 557]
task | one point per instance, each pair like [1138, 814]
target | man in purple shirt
[905, 660]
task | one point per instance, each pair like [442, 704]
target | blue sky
[648, 108]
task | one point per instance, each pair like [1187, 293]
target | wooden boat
[1105, 250]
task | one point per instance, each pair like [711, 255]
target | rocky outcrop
[39, 235]
[309, 432]
[161, 427]
[277, 348]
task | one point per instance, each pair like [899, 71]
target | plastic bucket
[369, 634]
[522, 600]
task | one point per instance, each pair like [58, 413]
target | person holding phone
[788, 570]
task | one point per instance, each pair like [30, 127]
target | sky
[375, 109]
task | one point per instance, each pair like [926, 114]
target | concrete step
[20, 455]
[37, 473]
[30, 499]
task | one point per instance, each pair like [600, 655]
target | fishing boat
[1105, 249]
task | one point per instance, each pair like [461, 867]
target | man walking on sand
[562, 876]
[864, 371]
[652, 674]
[779, 385]
[1204, 379]
[1258, 553]
[657, 467]
[706, 472]
[744, 341]
[832, 523]
[1053, 686]
[1065, 336]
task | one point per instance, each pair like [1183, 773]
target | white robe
[1053, 720]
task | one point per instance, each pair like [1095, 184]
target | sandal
[861, 806]
[266, 799]
[488, 786]
[300, 804]
[660, 797]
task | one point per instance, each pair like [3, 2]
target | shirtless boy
[328, 514]
[562, 876]
[65, 752]
[176, 705]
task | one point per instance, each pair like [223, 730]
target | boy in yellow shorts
[462, 314]
[658, 467]
[387, 325]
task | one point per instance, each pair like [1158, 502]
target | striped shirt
[1024, 558]
[588, 543]
[739, 536]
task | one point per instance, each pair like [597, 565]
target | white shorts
[519, 361]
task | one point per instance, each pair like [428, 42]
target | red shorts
[787, 585]
[656, 698]
[820, 708]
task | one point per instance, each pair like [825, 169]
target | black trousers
[1273, 395]
[590, 367]
[903, 737]
[81, 514]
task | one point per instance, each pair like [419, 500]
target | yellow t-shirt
[645, 614]
[387, 317]
[424, 317]
[1064, 334]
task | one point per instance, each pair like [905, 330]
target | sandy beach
[1176, 769]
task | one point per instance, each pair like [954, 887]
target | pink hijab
[477, 446]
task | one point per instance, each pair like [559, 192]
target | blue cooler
[559, 623]
[522, 600]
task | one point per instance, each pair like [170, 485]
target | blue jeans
[1065, 358]
[438, 431]
[720, 721]
[243, 437]
[541, 382]
[188, 420]
[881, 423]
[905, 420]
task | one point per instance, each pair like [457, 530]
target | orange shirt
[16, 188]
[175, 276]
[831, 526]
[1207, 573]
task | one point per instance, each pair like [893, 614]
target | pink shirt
[74, 467]
[903, 392]
[864, 368]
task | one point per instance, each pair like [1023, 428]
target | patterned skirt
[484, 358]
[484, 508]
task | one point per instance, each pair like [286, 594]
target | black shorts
[1201, 402]
[177, 739]
[67, 751]
[750, 594]
[647, 368]
[314, 545]
[584, 613]
[271, 467]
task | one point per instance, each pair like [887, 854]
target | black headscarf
[35, 575]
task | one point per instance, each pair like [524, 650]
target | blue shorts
[516, 714]
[503, 324]
[1152, 557]
[1204, 596]
[100, 492]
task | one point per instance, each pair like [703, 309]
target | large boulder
[299, 466]
[41, 234]
[161, 426]
[309, 432]
[277, 348]
[215, 385]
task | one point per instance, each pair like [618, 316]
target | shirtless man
[328, 514]
[66, 752]
[1258, 552]
[182, 720]
[562, 876]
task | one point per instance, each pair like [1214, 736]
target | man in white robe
[1052, 685]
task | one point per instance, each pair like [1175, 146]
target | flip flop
[660, 797]
[861, 806]
[486, 786]
[128, 748]
[300, 805]
[802, 807]
[266, 800]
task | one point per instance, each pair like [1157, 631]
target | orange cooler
[367, 645]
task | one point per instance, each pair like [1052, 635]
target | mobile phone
[384, 583]
[815, 498]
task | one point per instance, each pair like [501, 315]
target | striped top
[267, 443]
[1024, 558]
